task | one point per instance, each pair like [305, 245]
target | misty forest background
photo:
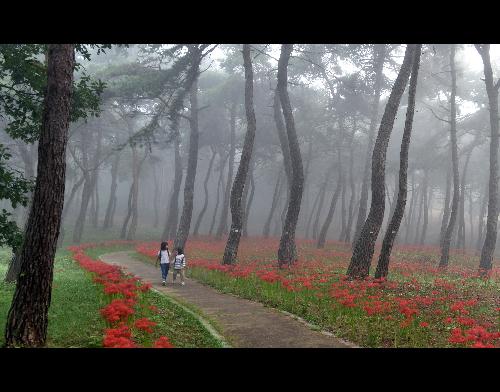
[126, 168]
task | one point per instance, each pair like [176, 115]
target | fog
[131, 145]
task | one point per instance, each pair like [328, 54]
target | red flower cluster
[123, 291]
[162, 342]
[145, 324]
[119, 337]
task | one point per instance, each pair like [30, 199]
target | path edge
[204, 321]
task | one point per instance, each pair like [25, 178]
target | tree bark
[379, 54]
[488, 249]
[205, 188]
[173, 207]
[400, 203]
[445, 248]
[287, 252]
[359, 266]
[27, 319]
[231, 250]
[187, 210]
[250, 200]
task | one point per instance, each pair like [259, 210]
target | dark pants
[164, 270]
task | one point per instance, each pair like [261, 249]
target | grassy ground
[74, 317]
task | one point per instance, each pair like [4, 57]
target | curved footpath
[244, 323]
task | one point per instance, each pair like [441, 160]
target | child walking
[179, 265]
[164, 257]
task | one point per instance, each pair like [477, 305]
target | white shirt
[165, 256]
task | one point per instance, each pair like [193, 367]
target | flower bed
[418, 306]
[125, 312]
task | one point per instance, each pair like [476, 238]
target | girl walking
[164, 258]
[179, 265]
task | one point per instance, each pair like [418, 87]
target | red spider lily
[162, 342]
[117, 310]
[145, 324]
[115, 282]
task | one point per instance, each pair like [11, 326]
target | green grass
[183, 329]
[74, 317]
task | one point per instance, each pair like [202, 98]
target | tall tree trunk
[220, 185]
[125, 225]
[486, 261]
[108, 219]
[95, 216]
[343, 209]
[91, 175]
[173, 207]
[321, 201]
[379, 55]
[237, 212]
[66, 208]
[393, 227]
[461, 221]
[445, 248]
[471, 218]
[156, 196]
[446, 212]
[352, 200]
[135, 199]
[315, 203]
[205, 188]
[187, 210]
[420, 210]
[333, 203]
[306, 177]
[227, 194]
[287, 252]
[359, 266]
[426, 207]
[27, 319]
[267, 225]
[250, 200]
[480, 228]
[411, 212]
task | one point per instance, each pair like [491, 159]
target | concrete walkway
[244, 323]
